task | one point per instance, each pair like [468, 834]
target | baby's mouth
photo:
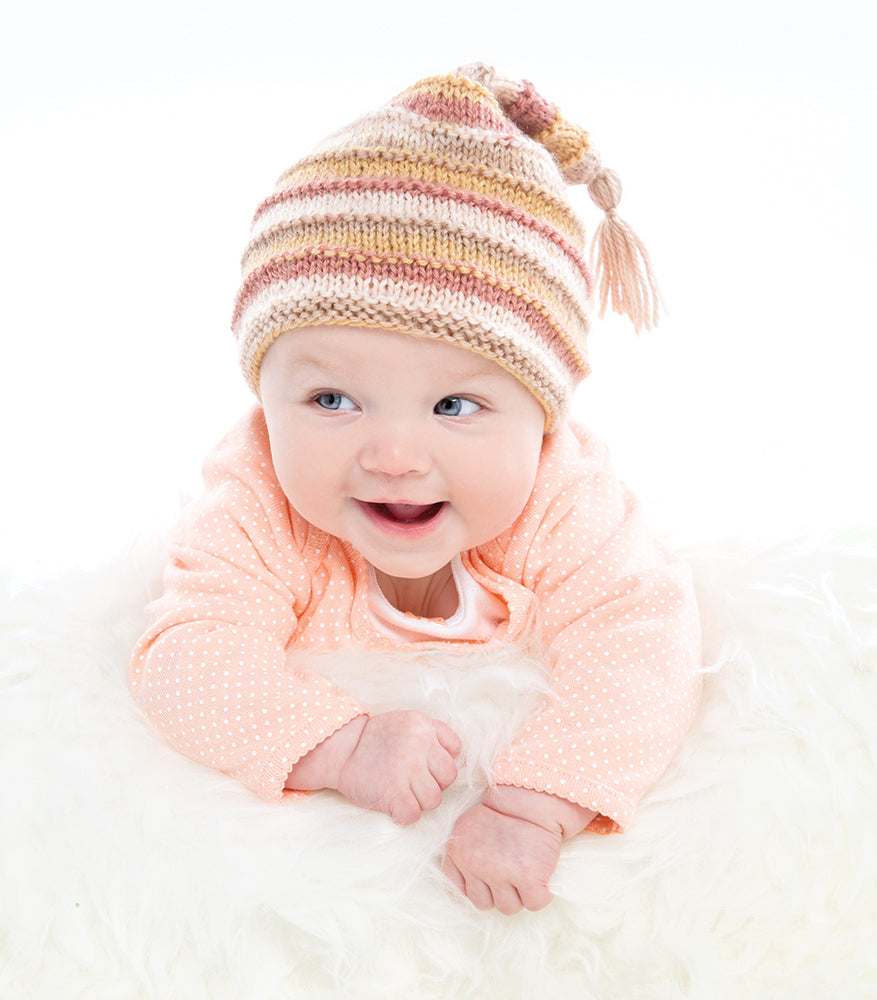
[407, 513]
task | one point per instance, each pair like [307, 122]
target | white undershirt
[479, 613]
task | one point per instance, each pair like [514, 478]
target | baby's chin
[410, 570]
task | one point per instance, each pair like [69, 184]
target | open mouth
[406, 513]
[404, 520]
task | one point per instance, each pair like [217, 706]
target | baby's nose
[395, 450]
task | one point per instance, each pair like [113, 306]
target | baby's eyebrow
[329, 366]
[475, 374]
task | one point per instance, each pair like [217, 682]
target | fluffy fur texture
[129, 872]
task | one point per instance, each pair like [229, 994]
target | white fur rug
[127, 872]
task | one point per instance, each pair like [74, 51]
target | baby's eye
[334, 401]
[456, 406]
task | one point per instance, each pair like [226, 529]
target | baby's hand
[401, 764]
[398, 763]
[502, 861]
[503, 851]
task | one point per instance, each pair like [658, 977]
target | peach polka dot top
[249, 579]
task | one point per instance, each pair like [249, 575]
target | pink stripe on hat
[457, 111]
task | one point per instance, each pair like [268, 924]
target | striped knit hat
[443, 214]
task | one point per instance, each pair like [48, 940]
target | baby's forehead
[338, 348]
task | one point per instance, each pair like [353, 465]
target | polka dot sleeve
[210, 672]
[620, 624]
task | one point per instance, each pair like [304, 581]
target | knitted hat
[443, 214]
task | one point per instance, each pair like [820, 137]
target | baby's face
[411, 449]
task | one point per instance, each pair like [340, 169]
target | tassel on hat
[623, 269]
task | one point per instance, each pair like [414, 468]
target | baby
[412, 319]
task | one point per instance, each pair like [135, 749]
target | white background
[137, 141]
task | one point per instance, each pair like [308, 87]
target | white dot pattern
[250, 579]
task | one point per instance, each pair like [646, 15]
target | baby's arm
[503, 851]
[396, 762]
[620, 634]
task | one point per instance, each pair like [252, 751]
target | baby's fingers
[448, 738]
[442, 767]
[405, 808]
[477, 891]
[454, 875]
[427, 791]
[533, 895]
